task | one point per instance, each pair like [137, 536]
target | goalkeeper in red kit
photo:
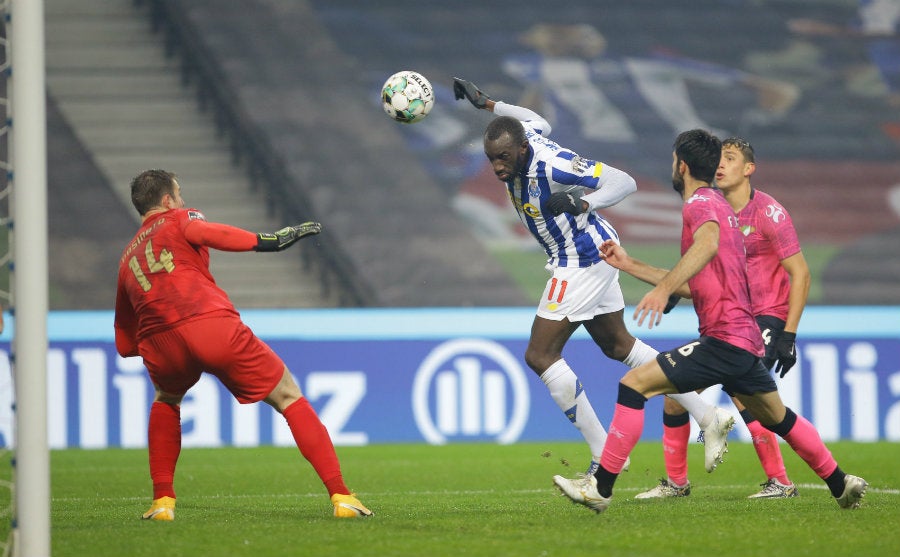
[170, 312]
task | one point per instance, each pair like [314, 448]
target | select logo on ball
[407, 97]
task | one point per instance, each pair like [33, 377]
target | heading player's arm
[613, 185]
[225, 237]
[607, 186]
[463, 89]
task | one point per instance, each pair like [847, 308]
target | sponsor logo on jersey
[194, 214]
[697, 197]
[580, 165]
[775, 213]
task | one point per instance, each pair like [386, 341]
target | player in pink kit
[712, 272]
[170, 312]
[779, 283]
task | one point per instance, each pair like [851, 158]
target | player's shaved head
[502, 125]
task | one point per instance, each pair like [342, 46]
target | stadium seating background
[309, 75]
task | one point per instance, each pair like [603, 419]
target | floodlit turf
[527, 267]
[475, 499]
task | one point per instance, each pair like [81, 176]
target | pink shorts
[220, 345]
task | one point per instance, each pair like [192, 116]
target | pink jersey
[769, 237]
[720, 290]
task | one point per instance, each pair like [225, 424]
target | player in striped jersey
[556, 193]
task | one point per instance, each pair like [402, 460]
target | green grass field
[463, 499]
[527, 268]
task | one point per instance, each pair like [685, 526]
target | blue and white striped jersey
[569, 240]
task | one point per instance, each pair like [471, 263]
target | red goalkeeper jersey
[164, 277]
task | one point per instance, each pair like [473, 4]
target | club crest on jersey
[748, 229]
[534, 190]
[195, 215]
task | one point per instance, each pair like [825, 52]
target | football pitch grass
[527, 268]
[464, 499]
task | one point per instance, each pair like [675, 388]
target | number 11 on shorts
[562, 289]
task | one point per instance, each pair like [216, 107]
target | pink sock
[766, 444]
[164, 446]
[624, 433]
[675, 444]
[805, 441]
[315, 445]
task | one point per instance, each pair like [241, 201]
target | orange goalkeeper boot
[161, 509]
[348, 506]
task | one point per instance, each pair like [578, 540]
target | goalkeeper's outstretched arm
[225, 237]
[286, 237]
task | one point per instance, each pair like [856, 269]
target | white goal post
[28, 210]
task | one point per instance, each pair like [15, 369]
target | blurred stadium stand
[125, 104]
[293, 85]
[88, 226]
[380, 247]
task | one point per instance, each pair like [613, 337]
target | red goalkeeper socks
[164, 446]
[315, 444]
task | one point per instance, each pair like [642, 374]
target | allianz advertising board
[439, 375]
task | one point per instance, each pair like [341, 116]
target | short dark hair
[701, 151]
[505, 124]
[741, 145]
[149, 187]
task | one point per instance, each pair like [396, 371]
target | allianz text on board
[414, 383]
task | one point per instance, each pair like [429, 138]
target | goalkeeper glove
[786, 353]
[285, 237]
[673, 301]
[468, 90]
[562, 202]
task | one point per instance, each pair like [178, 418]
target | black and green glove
[286, 237]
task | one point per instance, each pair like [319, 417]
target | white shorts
[581, 293]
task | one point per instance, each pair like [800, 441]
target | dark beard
[678, 183]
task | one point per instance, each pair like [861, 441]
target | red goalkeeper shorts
[221, 345]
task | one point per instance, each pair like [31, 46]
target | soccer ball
[407, 97]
